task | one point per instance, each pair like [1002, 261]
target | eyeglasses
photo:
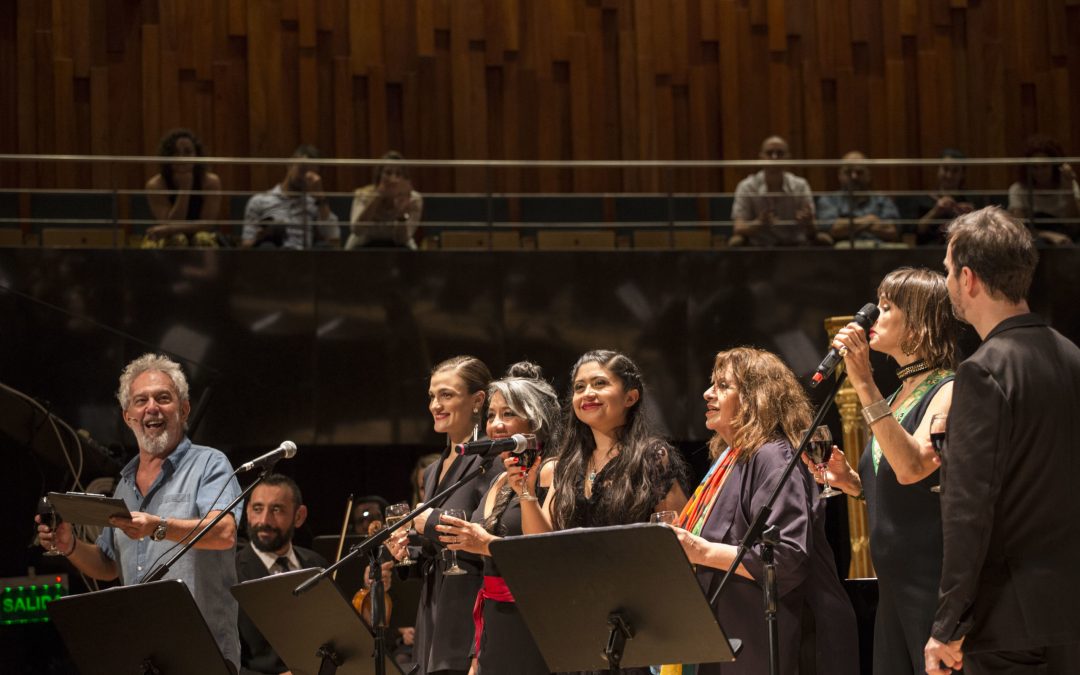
[775, 154]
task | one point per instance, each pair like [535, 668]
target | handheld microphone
[516, 444]
[286, 450]
[865, 317]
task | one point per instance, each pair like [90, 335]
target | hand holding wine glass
[664, 517]
[938, 427]
[819, 450]
[395, 513]
[49, 522]
[454, 569]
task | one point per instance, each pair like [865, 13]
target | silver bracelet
[875, 411]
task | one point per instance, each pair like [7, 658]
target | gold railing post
[855, 437]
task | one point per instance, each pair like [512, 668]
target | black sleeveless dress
[506, 645]
[906, 547]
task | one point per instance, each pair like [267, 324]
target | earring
[476, 431]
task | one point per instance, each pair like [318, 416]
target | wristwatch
[159, 531]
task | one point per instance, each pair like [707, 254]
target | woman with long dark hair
[758, 412]
[611, 469]
[520, 403]
[185, 198]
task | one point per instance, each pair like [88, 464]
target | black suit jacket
[444, 626]
[1009, 506]
[256, 654]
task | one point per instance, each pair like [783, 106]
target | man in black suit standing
[274, 511]
[1009, 600]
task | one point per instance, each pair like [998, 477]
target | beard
[155, 445]
[274, 543]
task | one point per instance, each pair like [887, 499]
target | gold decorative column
[855, 438]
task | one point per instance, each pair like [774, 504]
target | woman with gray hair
[520, 403]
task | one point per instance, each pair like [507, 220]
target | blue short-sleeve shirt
[194, 480]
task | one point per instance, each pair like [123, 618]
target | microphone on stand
[517, 444]
[286, 450]
[865, 317]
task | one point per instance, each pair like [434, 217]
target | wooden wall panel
[514, 79]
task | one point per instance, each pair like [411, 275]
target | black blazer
[444, 626]
[256, 654]
[1009, 508]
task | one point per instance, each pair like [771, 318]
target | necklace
[912, 369]
[594, 470]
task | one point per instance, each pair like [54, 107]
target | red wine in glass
[820, 451]
[937, 438]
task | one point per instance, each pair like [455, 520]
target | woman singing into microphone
[520, 403]
[898, 469]
[444, 629]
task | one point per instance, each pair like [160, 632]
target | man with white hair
[172, 488]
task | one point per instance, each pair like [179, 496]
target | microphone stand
[163, 569]
[372, 545]
[769, 537]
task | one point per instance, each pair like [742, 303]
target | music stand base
[148, 668]
[619, 632]
[330, 660]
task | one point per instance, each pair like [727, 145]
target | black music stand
[146, 629]
[315, 632]
[610, 597]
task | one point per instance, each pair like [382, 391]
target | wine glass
[819, 450]
[51, 519]
[394, 514]
[938, 425]
[664, 517]
[454, 568]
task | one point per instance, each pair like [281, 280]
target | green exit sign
[25, 599]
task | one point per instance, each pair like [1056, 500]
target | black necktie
[280, 565]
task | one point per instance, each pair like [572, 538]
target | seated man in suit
[274, 511]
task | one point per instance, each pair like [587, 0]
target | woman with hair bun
[520, 403]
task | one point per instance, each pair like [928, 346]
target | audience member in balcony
[1047, 191]
[184, 198]
[386, 214]
[856, 213]
[947, 201]
[294, 214]
[774, 207]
